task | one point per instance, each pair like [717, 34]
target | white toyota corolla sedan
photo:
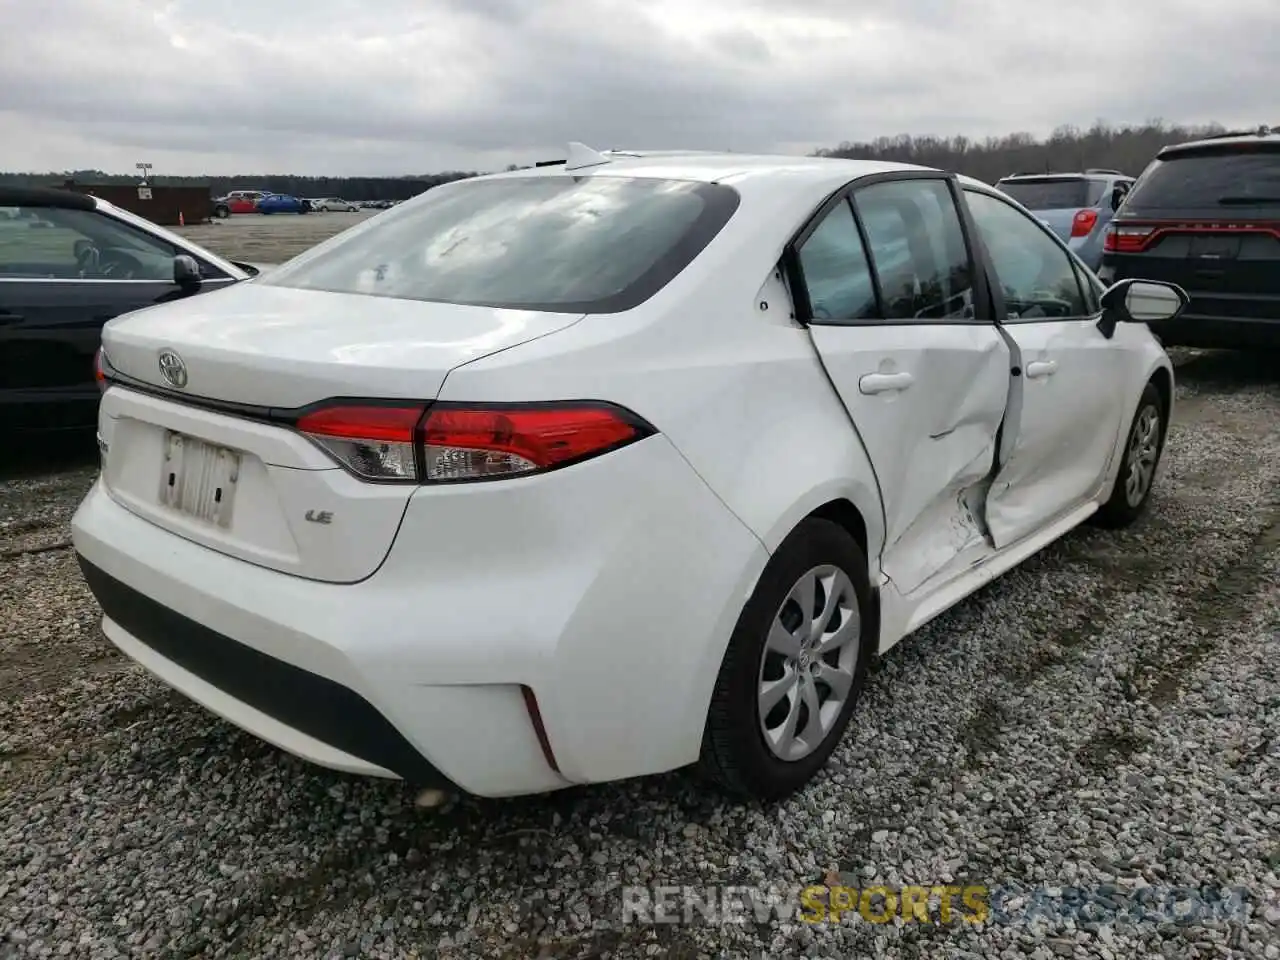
[610, 466]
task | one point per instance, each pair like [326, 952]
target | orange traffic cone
[181, 220]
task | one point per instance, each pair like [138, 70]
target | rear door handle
[1037, 369]
[885, 382]
[6, 318]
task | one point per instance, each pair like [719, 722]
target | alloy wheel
[808, 664]
[1144, 449]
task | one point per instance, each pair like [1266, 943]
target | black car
[68, 264]
[1206, 216]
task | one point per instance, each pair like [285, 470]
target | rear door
[64, 272]
[1065, 402]
[1208, 219]
[909, 346]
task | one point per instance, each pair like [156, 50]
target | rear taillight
[1120, 239]
[374, 442]
[1083, 222]
[473, 443]
[449, 442]
[101, 367]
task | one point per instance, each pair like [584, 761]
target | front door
[918, 363]
[1064, 405]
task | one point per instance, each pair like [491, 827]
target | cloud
[407, 86]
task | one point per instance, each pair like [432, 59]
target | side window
[834, 263]
[918, 249]
[1037, 276]
[35, 245]
[62, 244]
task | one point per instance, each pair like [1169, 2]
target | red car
[238, 201]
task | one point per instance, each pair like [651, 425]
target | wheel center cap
[804, 659]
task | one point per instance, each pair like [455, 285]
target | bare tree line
[1068, 149]
[1125, 148]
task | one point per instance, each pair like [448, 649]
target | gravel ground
[1107, 714]
[270, 239]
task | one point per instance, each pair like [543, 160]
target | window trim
[790, 261]
[997, 292]
[1092, 295]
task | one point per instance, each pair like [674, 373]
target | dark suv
[1206, 216]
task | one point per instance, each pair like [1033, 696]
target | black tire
[222, 211]
[735, 755]
[1121, 509]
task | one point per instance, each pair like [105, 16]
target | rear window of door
[595, 244]
[834, 265]
[1218, 180]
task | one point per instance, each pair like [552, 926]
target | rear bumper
[609, 590]
[297, 710]
[1227, 318]
[1208, 332]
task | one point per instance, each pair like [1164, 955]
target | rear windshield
[1050, 193]
[1217, 180]
[596, 244]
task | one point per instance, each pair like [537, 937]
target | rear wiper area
[1243, 201]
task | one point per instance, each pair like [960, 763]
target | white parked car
[334, 204]
[607, 468]
[328, 204]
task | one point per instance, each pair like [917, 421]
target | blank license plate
[199, 479]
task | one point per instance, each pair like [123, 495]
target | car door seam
[862, 445]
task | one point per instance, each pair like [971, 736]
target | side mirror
[186, 272]
[1140, 301]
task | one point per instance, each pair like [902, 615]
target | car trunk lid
[219, 461]
[280, 347]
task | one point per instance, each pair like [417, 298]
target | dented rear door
[923, 373]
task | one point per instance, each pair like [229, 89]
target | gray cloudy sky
[414, 86]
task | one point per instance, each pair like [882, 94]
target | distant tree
[1126, 148]
[350, 188]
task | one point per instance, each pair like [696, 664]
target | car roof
[1270, 138]
[712, 167]
[1068, 175]
[44, 197]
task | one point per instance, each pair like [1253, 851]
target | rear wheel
[222, 211]
[794, 668]
[1139, 460]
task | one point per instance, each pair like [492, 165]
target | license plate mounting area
[198, 479]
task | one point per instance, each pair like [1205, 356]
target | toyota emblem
[173, 369]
